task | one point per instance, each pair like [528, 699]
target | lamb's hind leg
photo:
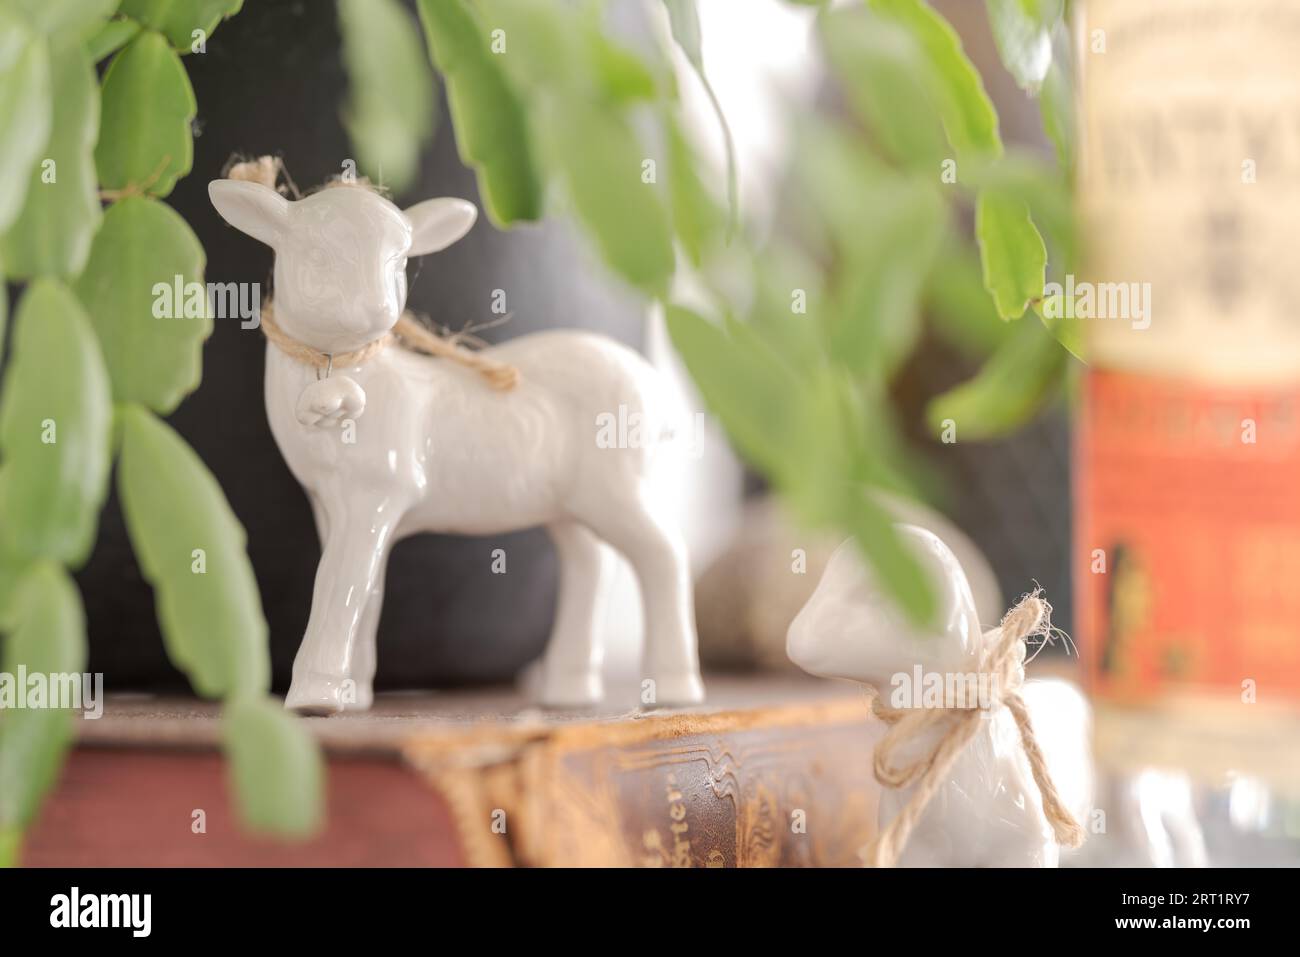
[649, 539]
[571, 667]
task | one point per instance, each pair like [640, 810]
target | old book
[773, 772]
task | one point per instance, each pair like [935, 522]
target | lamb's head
[340, 254]
[852, 628]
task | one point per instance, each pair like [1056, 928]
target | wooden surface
[397, 718]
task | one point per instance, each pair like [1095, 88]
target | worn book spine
[1187, 519]
[784, 786]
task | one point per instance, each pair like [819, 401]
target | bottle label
[1187, 496]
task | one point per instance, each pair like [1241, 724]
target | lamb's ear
[251, 208]
[437, 223]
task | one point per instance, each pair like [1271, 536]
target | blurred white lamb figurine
[451, 446]
[988, 809]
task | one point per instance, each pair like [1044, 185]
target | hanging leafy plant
[90, 371]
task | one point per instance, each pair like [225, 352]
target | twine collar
[409, 333]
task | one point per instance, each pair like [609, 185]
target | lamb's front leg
[365, 651]
[357, 539]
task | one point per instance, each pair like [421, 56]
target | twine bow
[1001, 662]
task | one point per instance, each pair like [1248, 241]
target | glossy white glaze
[988, 812]
[405, 443]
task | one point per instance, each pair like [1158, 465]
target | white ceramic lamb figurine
[987, 810]
[438, 449]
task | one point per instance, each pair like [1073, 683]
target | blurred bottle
[1187, 560]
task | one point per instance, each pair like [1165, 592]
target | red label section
[1187, 537]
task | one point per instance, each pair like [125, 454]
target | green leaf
[878, 320]
[190, 548]
[1024, 41]
[562, 50]
[959, 306]
[785, 278]
[4, 307]
[600, 159]
[390, 111]
[110, 38]
[25, 108]
[697, 220]
[276, 770]
[140, 249]
[12, 567]
[1012, 387]
[1068, 331]
[178, 19]
[52, 234]
[1020, 180]
[1046, 12]
[491, 126]
[684, 20]
[1056, 101]
[788, 426]
[968, 114]
[622, 76]
[887, 78]
[145, 143]
[54, 429]
[886, 229]
[546, 46]
[808, 436]
[748, 389]
[57, 16]
[585, 136]
[49, 637]
[1012, 251]
[1042, 187]
[841, 181]
[879, 317]
[894, 565]
[825, 442]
